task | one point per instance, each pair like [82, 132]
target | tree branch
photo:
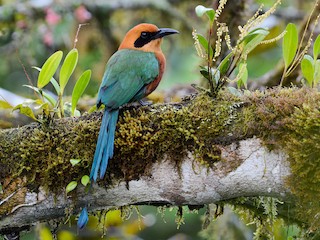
[200, 151]
[196, 185]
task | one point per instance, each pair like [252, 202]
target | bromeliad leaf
[79, 88]
[67, 68]
[71, 186]
[307, 69]
[290, 44]
[49, 68]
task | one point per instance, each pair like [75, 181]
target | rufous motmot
[132, 73]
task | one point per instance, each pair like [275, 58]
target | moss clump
[146, 135]
[41, 153]
[290, 121]
[302, 144]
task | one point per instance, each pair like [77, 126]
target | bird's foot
[145, 103]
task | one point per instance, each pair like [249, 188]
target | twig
[24, 205]
[10, 196]
[77, 33]
[26, 73]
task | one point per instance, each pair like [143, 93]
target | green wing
[127, 74]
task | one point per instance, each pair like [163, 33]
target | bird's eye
[144, 35]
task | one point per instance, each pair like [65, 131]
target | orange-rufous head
[145, 37]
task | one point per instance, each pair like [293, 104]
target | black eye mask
[145, 37]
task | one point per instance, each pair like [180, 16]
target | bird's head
[145, 37]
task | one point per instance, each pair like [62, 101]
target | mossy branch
[200, 151]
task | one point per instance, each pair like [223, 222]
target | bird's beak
[164, 32]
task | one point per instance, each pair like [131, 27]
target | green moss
[291, 122]
[145, 135]
[286, 119]
[302, 144]
[42, 152]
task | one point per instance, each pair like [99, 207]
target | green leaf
[204, 72]
[67, 109]
[216, 75]
[47, 96]
[290, 44]
[253, 39]
[243, 75]
[44, 107]
[201, 10]
[316, 77]
[50, 99]
[85, 180]
[224, 65]
[44, 233]
[234, 91]
[204, 43]
[316, 47]
[253, 33]
[92, 109]
[5, 105]
[52, 80]
[37, 68]
[49, 68]
[307, 69]
[79, 88]
[25, 110]
[76, 113]
[71, 186]
[67, 68]
[55, 85]
[74, 161]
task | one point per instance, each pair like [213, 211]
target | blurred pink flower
[48, 38]
[52, 17]
[82, 14]
[21, 24]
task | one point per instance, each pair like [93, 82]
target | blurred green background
[31, 30]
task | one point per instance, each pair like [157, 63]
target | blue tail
[105, 144]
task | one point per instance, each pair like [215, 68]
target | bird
[132, 73]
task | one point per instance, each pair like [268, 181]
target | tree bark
[261, 173]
